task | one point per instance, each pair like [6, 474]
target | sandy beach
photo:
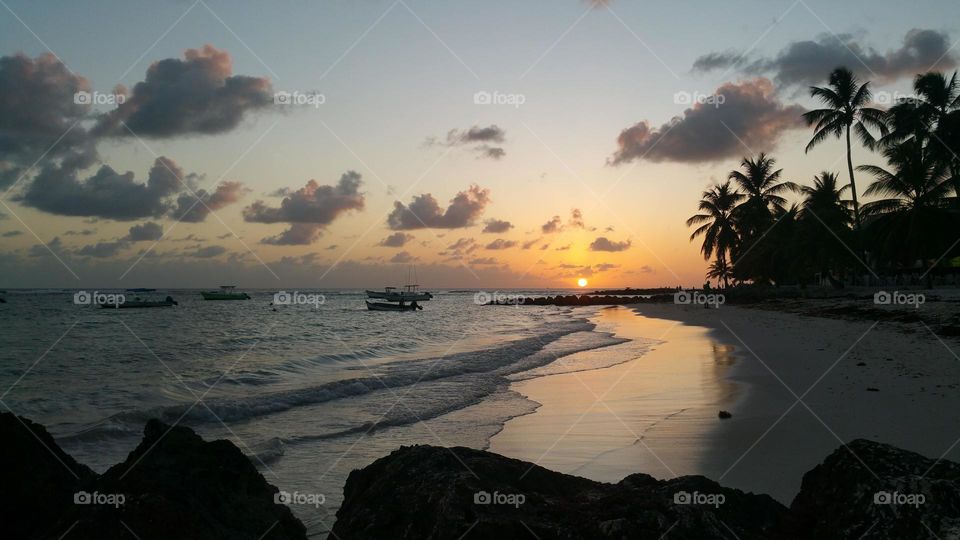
[797, 387]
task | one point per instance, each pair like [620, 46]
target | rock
[173, 485]
[39, 479]
[437, 493]
[892, 493]
[724, 414]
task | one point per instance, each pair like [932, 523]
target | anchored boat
[138, 303]
[226, 292]
[405, 299]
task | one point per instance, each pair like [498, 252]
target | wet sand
[658, 413]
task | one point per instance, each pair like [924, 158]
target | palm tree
[825, 226]
[845, 99]
[912, 221]
[721, 271]
[716, 222]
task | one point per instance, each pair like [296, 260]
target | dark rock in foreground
[862, 490]
[871, 490]
[437, 493]
[173, 485]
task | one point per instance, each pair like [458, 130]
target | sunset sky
[487, 144]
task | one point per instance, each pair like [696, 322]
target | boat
[409, 293]
[384, 306]
[138, 303]
[226, 292]
[141, 289]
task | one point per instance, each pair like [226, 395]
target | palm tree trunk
[853, 184]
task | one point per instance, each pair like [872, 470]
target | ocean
[309, 391]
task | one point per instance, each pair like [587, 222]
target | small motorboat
[138, 303]
[141, 290]
[408, 293]
[383, 306]
[226, 292]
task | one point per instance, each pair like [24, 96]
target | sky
[348, 143]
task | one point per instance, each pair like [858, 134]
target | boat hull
[381, 306]
[224, 296]
[134, 305]
[396, 297]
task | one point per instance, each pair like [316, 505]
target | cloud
[195, 207]
[309, 210]
[402, 257]
[554, 225]
[604, 244]
[751, 118]
[480, 139]
[603, 267]
[196, 95]
[397, 239]
[500, 243]
[482, 261]
[107, 193]
[576, 219]
[102, 250]
[39, 116]
[497, 226]
[82, 232]
[425, 212]
[11, 234]
[529, 244]
[561, 248]
[808, 62]
[207, 252]
[148, 231]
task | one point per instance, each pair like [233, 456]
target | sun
[582, 282]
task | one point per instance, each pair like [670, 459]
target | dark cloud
[144, 232]
[102, 250]
[576, 219]
[554, 225]
[82, 232]
[480, 139]
[107, 193]
[424, 211]
[750, 119]
[561, 248]
[309, 210]
[603, 267]
[482, 261]
[196, 95]
[207, 252]
[602, 243]
[11, 234]
[500, 243]
[397, 239]
[496, 226]
[402, 257]
[39, 250]
[809, 62]
[39, 116]
[195, 207]
[530, 244]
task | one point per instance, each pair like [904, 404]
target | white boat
[409, 293]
